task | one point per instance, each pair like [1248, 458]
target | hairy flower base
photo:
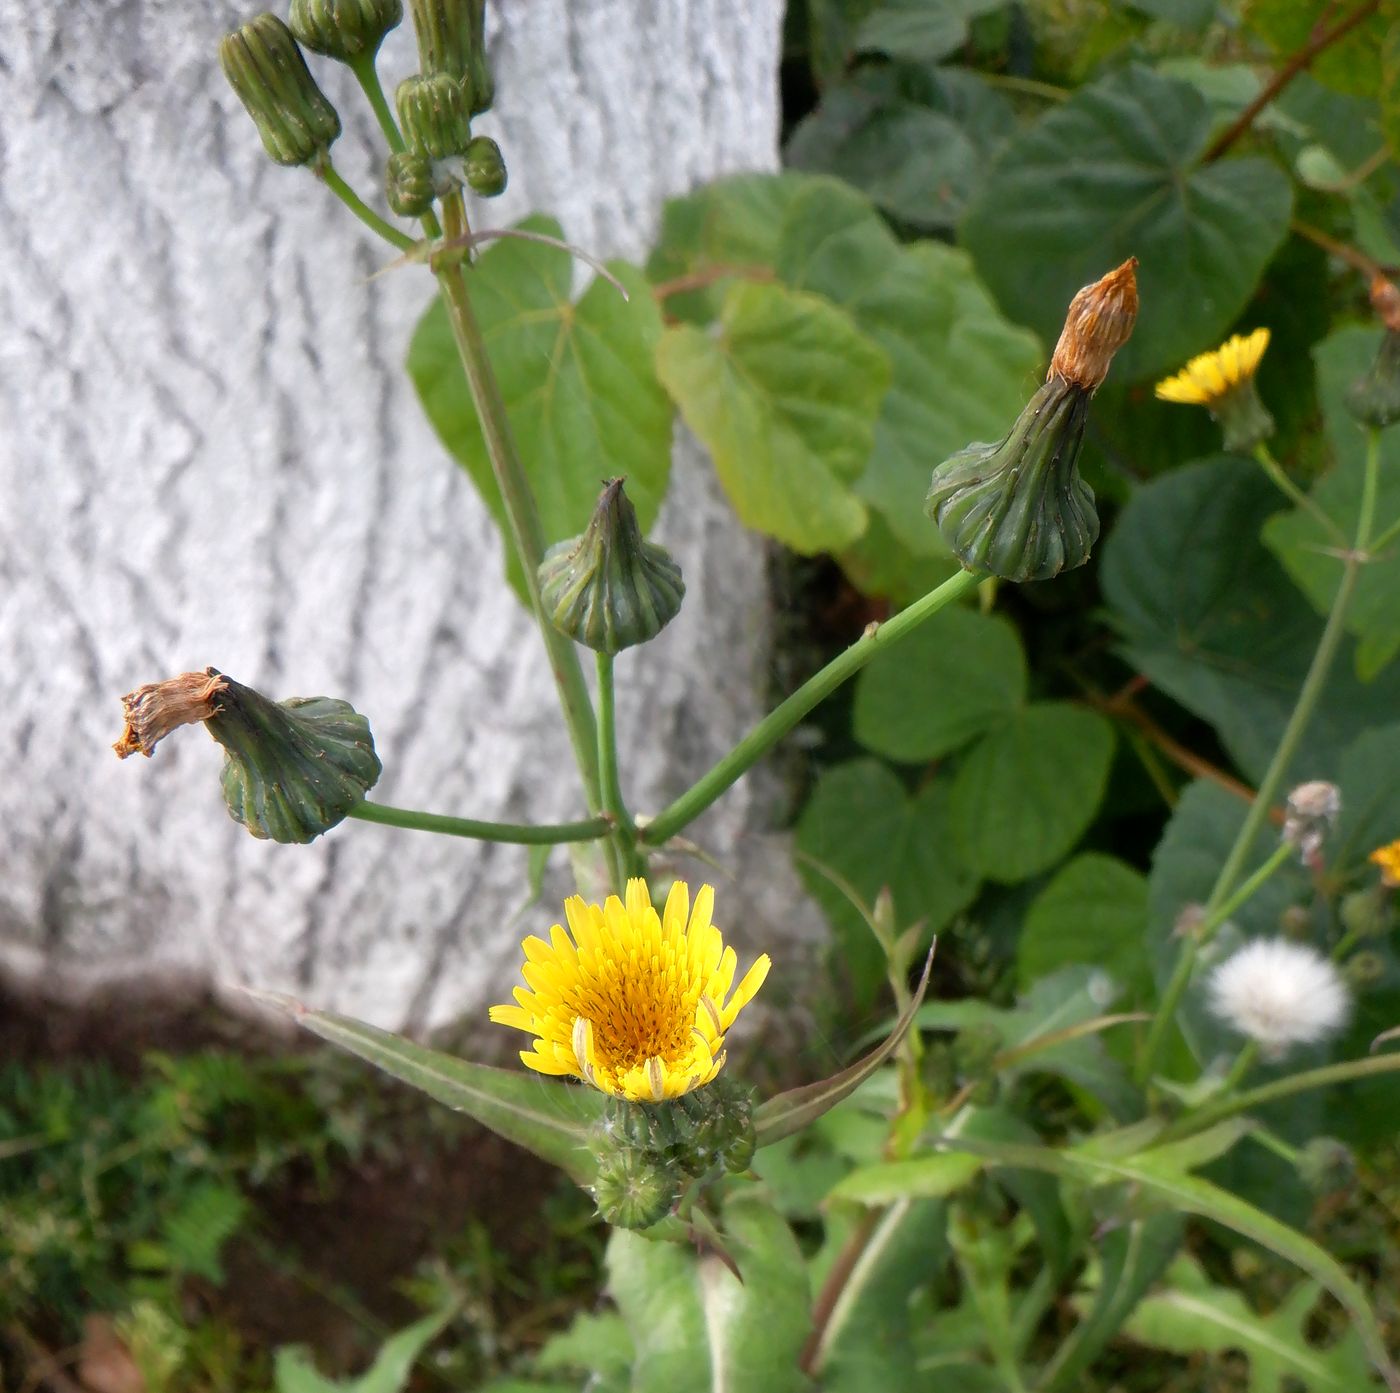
[634, 1002]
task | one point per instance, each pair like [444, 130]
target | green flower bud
[633, 1191]
[1018, 509]
[292, 769]
[938, 1070]
[343, 29]
[264, 66]
[1363, 969]
[1364, 913]
[409, 186]
[1243, 419]
[722, 1129]
[486, 167]
[451, 40]
[610, 588]
[434, 116]
[1375, 398]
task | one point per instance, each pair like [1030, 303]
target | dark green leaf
[919, 29]
[1132, 1256]
[578, 381]
[1209, 616]
[1113, 173]
[952, 679]
[1093, 911]
[924, 306]
[916, 140]
[786, 399]
[1026, 792]
[1302, 544]
[862, 824]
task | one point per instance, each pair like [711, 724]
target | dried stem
[1297, 63]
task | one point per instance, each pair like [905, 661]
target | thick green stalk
[622, 843]
[1277, 772]
[1221, 1108]
[519, 501]
[547, 834]
[361, 209]
[785, 716]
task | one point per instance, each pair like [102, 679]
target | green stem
[368, 77]
[1244, 1062]
[785, 716]
[546, 834]
[622, 843]
[362, 210]
[1304, 501]
[1274, 776]
[1221, 1108]
[521, 513]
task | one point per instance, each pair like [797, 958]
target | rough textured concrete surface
[210, 454]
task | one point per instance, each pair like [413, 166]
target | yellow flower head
[1209, 377]
[1388, 859]
[635, 1002]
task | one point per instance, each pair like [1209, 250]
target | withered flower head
[156, 709]
[1375, 398]
[1018, 508]
[1098, 323]
[292, 769]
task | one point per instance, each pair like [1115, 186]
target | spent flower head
[1313, 809]
[1388, 859]
[1279, 994]
[635, 1003]
[1223, 382]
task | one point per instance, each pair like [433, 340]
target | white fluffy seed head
[1279, 994]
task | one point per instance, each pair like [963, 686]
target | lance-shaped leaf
[1188, 1194]
[1132, 1257]
[551, 1119]
[790, 1112]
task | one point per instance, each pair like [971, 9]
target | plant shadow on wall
[1147, 787]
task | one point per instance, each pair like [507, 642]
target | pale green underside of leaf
[785, 399]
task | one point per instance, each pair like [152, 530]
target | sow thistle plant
[628, 1008]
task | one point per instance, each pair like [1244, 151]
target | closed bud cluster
[265, 68]
[409, 183]
[646, 1151]
[610, 588]
[452, 40]
[485, 167]
[1375, 399]
[346, 30]
[974, 1051]
[434, 116]
[1018, 508]
[292, 769]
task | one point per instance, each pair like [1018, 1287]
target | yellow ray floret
[1210, 376]
[1388, 859]
[635, 1003]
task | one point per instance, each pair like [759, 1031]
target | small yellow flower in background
[1388, 859]
[635, 1002]
[1223, 382]
[1210, 376]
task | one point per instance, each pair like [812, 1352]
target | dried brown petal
[1099, 322]
[1385, 300]
[156, 709]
